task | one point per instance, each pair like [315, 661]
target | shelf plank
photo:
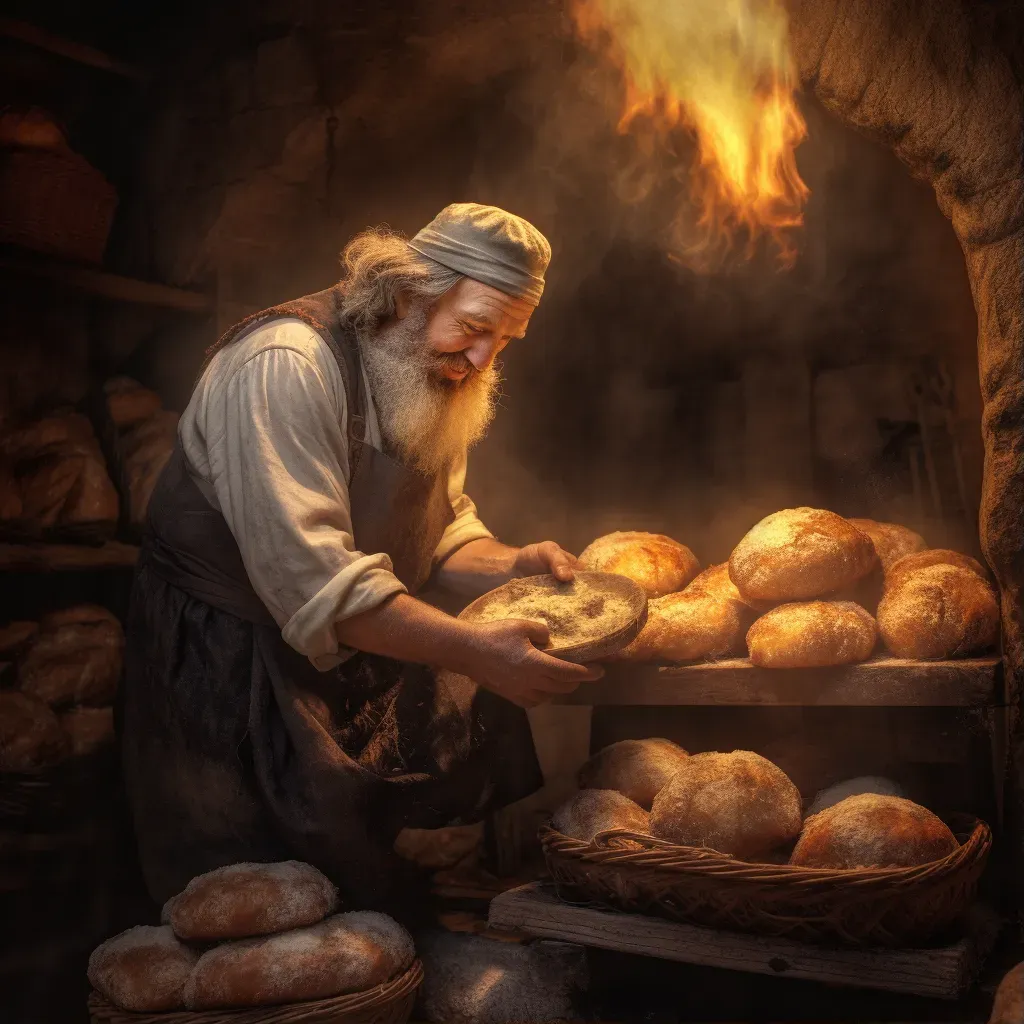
[944, 973]
[69, 49]
[66, 557]
[103, 283]
[881, 682]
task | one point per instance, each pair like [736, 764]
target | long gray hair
[378, 265]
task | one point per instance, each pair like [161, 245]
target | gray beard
[428, 420]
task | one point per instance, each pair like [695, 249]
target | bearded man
[286, 694]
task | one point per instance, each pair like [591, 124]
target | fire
[720, 69]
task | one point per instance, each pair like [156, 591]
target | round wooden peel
[608, 637]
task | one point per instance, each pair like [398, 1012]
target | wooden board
[881, 682]
[943, 973]
[66, 557]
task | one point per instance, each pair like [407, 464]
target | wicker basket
[390, 1003]
[865, 906]
[55, 202]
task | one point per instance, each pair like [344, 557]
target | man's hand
[545, 557]
[506, 660]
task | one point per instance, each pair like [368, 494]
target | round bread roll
[88, 729]
[591, 811]
[242, 900]
[739, 803]
[15, 636]
[800, 553]
[940, 611]
[30, 734]
[831, 795]
[714, 582]
[324, 960]
[892, 541]
[659, 564]
[898, 571]
[689, 627]
[638, 769]
[873, 831]
[144, 969]
[812, 634]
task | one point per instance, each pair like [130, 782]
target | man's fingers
[555, 668]
[560, 563]
[536, 632]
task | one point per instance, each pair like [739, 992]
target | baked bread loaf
[659, 564]
[88, 729]
[738, 803]
[940, 611]
[61, 430]
[714, 582]
[591, 811]
[128, 402]
[933, 556]
[76, 663]
[891, 541]
[15, 636]
[318, 962]
[1008, 1005]
[831, 795]
[689, 627]
[798, 554]
[30, 735]
[143, 969]
[812, 634]
[873, 831]
[638, 769]
[243, 900]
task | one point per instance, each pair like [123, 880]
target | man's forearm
[477, 567]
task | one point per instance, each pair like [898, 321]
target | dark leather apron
[236, 748]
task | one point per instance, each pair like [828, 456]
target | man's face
[467, 328]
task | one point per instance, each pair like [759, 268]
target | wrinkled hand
[545, 557]
[506, 661]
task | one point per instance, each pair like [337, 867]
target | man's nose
[482, 353]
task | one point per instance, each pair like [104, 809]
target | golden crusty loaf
[591, 811]
[892, 541]
[738, 803]
[872, 831]
[812, 634]
[933, 556]
[798, 554]
[242, 900]
[714, 582]
[638, 769]
[30, 734]
[659, 564]
[689, 627]
[940, 611]
[345, 953]
[144, 969]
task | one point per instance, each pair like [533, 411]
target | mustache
[456, 361]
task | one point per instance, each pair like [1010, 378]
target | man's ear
[402, 305]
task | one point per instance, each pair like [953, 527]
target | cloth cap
[489, 245]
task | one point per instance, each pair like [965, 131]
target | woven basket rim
[618, 846]
[391, 991]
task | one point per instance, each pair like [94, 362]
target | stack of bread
[67, 669]
[250, 935]
[146, 434]
[802, 590]
[742, 805]
[54, 481]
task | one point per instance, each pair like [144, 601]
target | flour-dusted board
[946, 972]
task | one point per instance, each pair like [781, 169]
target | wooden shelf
[881, 682]
[66, 557]
[69, 49]
[103, 283]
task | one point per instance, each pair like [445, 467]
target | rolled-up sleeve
[278, 463]
[466, 525]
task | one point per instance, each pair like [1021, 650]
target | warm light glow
[721, 69]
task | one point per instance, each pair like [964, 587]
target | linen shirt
[265, 437]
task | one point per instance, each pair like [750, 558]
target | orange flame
[722, 70]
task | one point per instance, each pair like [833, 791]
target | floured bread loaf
[318, 962]
[591, 811]
[30, 735]
[714, 582]
[892, 541]
[738, 803]
[15, 636]
[689, 627]
[873, 831]
[88, 729]
[638, 769]
[659, 564]
[387, 933]
[144, 969]
[933, 556]
[242, 900]
[798, 554]
[812, 634]
[940, 611]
